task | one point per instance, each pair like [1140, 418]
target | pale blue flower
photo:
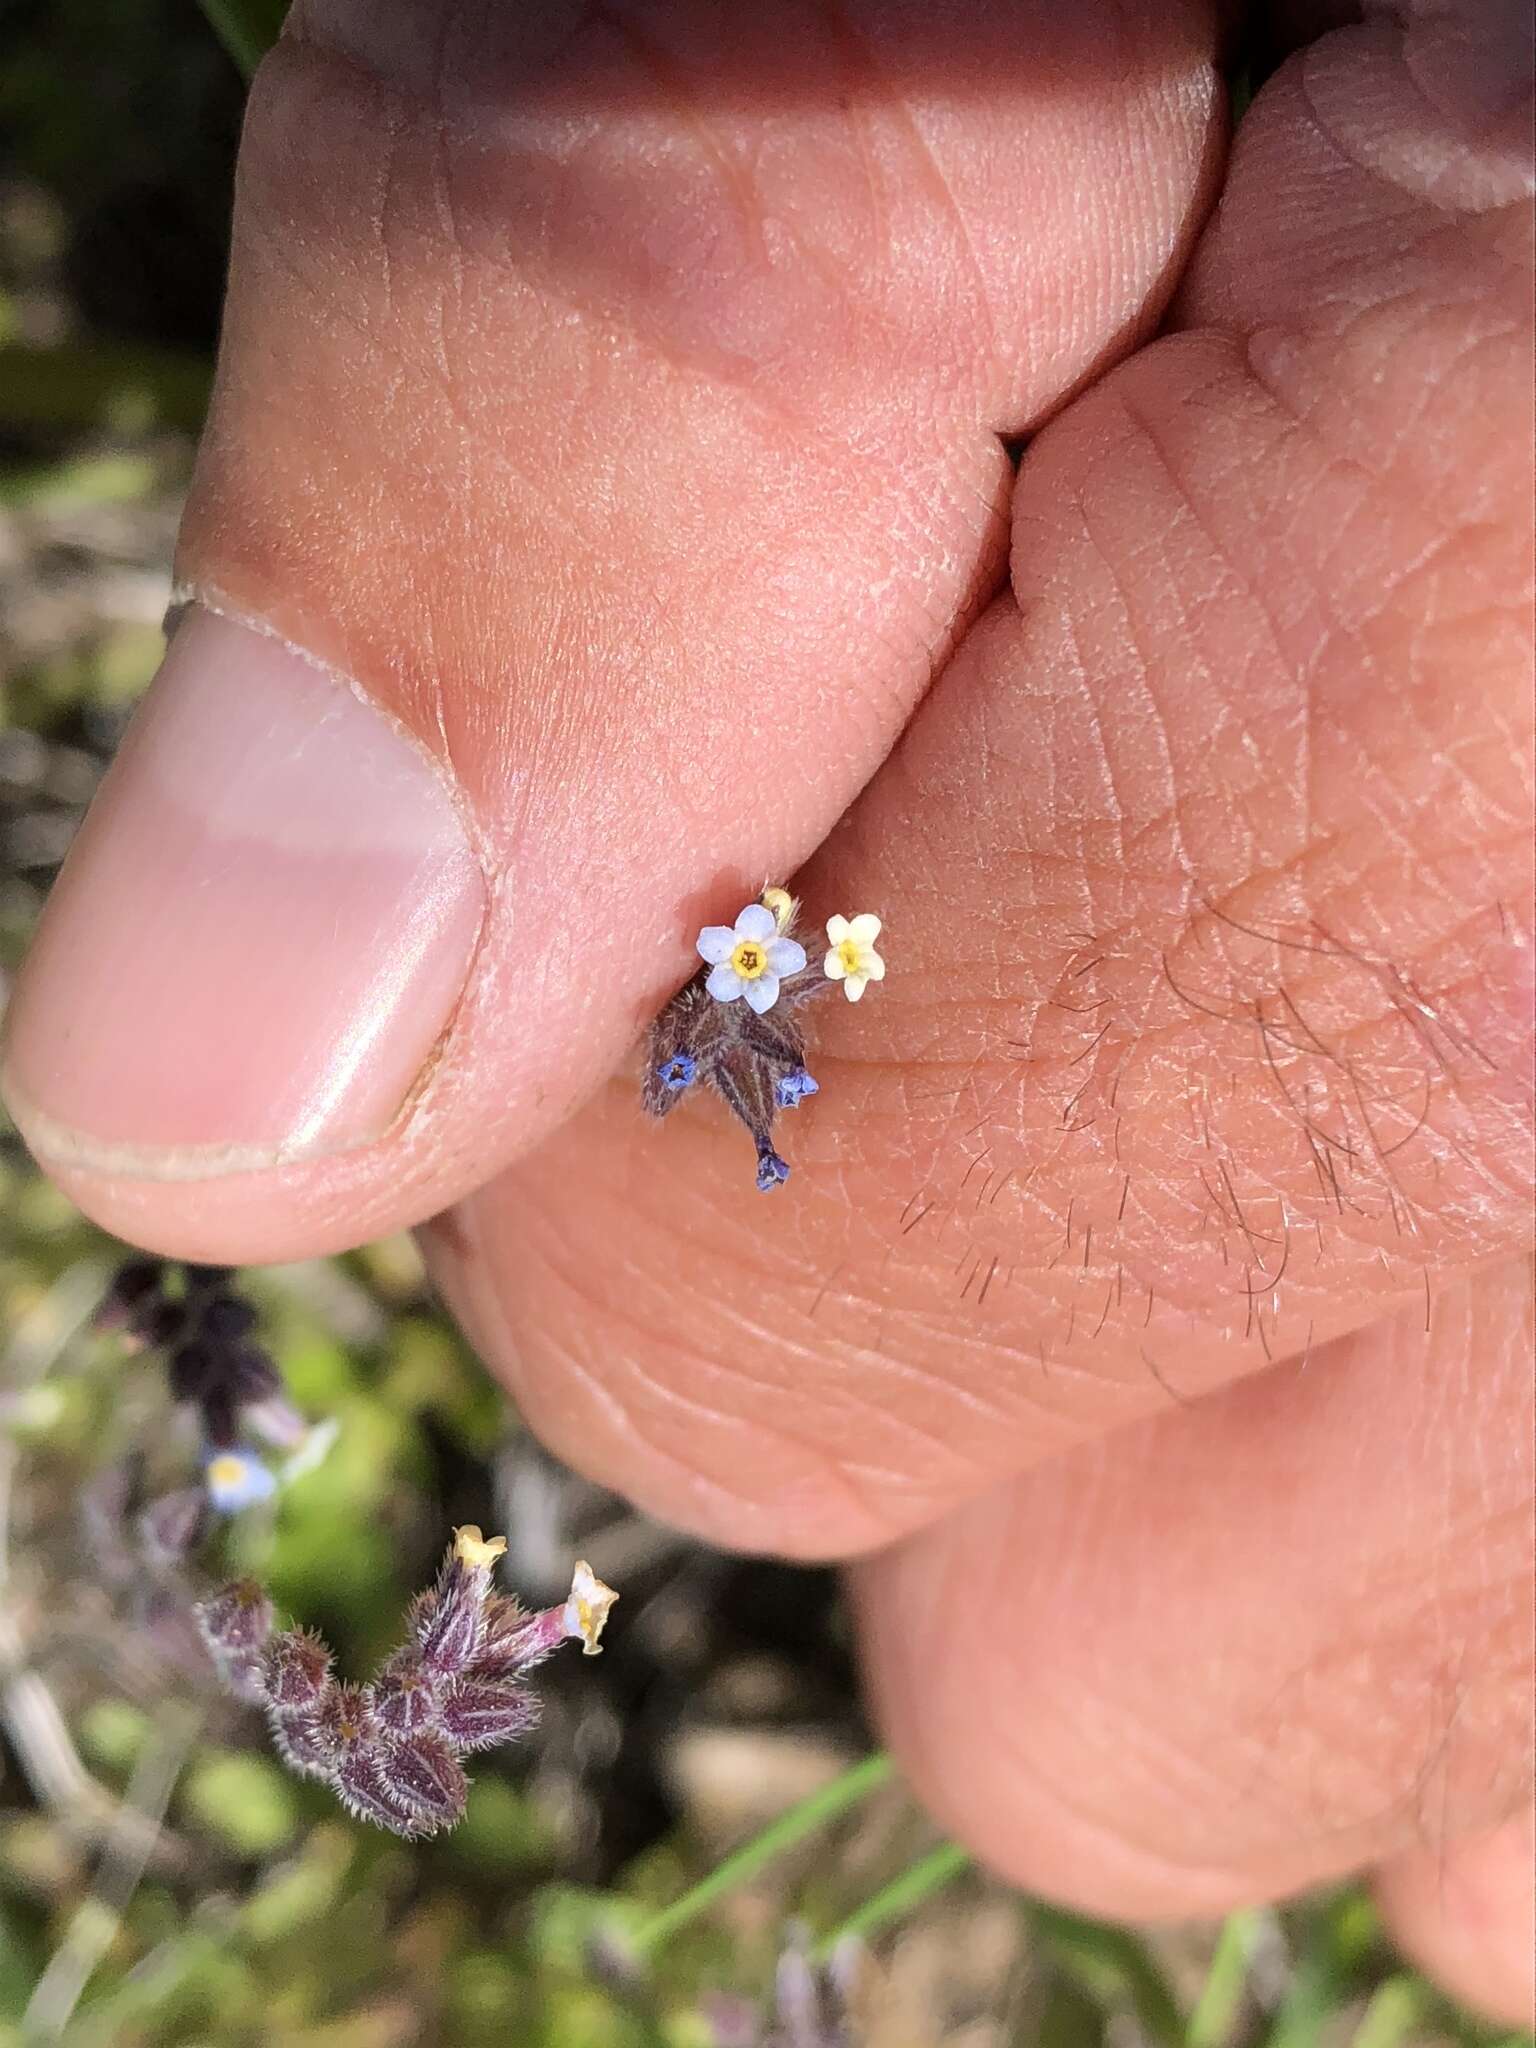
[749, 959]
[237, 1479]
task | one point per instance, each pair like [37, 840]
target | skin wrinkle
[625, 1423]
[767, 401]
[1342, 1701]
[1226, 563]
[715, 1367]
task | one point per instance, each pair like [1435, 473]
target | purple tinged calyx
[391, 1750]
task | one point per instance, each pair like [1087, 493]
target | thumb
[604, 455]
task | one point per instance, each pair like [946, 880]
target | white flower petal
[786, 956]
[855, 986]
[724, 984]
[837, 930]
[757, 921]
[716, 942]
[763, 993]
[864, 929]
[872, 967]
[832, 967]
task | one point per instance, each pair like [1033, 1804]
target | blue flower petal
[236, 1480]
[793, 1088]
[724, 983]
[786, 956]
[758, 922]
[772, 1171]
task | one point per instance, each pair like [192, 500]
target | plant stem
[812, 1813]
[900, 1896]
[1215, 2016]
[1390, 2018]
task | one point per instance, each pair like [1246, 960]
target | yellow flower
[852, 959]
[587, 1608]
[475, 1550]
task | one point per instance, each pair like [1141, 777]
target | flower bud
[450, 1627]
[237, 1619]
[404, 1698]
[423, 1776]
[298, 1670]
[481, 1713]
[360, 1786]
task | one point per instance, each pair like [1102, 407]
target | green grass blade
[812, 1813]
[1113, 1966]
[1392, 2016]
[1215, 2017]
[901, 1896]
[246, 28]
[1314, 1994]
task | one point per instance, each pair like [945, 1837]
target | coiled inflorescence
[736, 1024]
[207, 1332]
[391, 1750]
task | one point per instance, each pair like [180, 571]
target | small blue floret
[678, 1073]
[772, 1171]
[236, 1480]
[794, 1087]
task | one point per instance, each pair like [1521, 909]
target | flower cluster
[736, 1025]
[213, 1364]
[392, 1750]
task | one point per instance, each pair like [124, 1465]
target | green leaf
[901, 1897]
[1113, 1966]
[817, 1811]
[1214, 2019]
[246, 28]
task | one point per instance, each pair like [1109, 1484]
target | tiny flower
[793, 1088]
[749, 959]
[677, 1073]
[772, 1171]
[236, 1480]
[587, 1608]
[477, 1551]
[852, 958]
[450, 1627]
[391, 1751]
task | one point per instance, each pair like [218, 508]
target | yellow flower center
[750, 959]
[226, 1471]
[848, 952]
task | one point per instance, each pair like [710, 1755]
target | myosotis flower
[391, 1750]
[749, 960]
[851, 956]
[737, 1024]
[237, 1479]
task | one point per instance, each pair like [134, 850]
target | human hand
[615, 397]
